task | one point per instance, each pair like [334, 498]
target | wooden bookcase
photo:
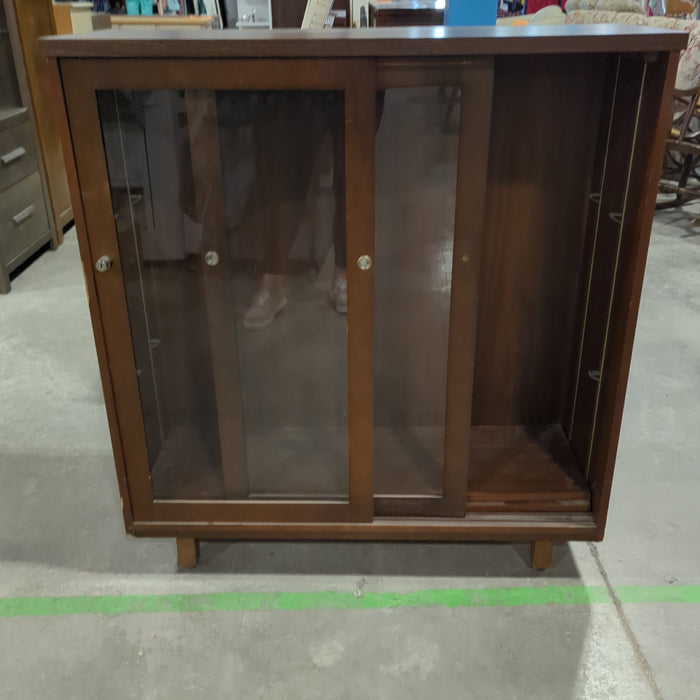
[490, 195]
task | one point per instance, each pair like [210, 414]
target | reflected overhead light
[440, 4]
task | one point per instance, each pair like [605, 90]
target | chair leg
[685, 172]
[541, 554]
[683, 196]
[187, 552]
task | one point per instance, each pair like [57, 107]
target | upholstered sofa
[554, 15]
[624, 12]
[547, 15]
[605, 6]
[688, 76]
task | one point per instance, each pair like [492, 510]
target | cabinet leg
[541, 554]
[4, 281]
[187, 552]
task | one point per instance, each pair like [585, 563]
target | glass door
[233, 254]
[431, 155]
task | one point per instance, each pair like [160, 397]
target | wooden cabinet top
[411, 41]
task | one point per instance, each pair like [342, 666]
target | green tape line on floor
[658, 594]
[337, 600]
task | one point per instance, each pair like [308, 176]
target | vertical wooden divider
[360, 106]
[207, 176]
[474, 141]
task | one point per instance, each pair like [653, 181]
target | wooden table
[475, 388]
[405, 13]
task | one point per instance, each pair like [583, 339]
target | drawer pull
[23, 215]
[12, 156]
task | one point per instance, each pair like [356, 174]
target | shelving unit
[24, 222]
[475, 388]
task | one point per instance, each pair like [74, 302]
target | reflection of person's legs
[284, 172]
[270, 298]
[296, 127]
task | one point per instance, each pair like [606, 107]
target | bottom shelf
[512, 468]
[518, 468]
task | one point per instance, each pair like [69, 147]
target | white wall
[356, 5]
[261, 7]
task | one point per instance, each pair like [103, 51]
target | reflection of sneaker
[262, 311]
[339, 293]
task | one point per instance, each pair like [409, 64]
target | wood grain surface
[372, 42]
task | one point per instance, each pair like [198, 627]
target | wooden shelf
[292, 462]
[481, 356]
[524, 468]
[513, 468]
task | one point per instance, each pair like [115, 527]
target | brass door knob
[364, 262]
[211, 258]
[103, 264]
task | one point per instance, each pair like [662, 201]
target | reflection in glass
[230, 219]
[416, 176]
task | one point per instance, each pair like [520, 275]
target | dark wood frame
[81, 80]
[475, 79]
[76, 76]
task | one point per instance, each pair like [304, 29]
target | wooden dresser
[24, 214]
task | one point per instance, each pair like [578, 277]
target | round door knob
[104, 263]
[364, 262]
[211, 258]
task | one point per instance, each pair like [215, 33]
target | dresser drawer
[23, 219]
[17, 154]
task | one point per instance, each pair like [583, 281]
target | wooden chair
[679, 8]
[682, 150]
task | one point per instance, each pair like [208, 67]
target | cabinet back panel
[538, 180]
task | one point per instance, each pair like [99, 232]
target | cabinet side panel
[609, 209]
[592, 210]
[654, 113]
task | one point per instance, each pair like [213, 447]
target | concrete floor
[61, 535]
